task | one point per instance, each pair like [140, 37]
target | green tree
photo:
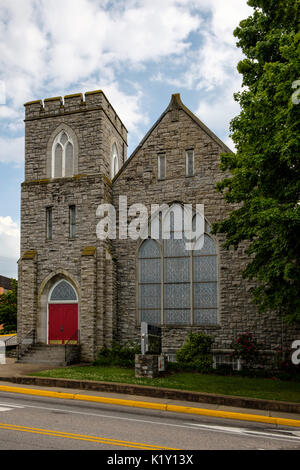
[8, 309]
[264, 172]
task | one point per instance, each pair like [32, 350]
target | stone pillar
[146, 365]
[27, 294]
[88, 303]
[101, 301]
[110, 323]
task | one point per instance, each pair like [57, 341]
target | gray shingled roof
[5, 283]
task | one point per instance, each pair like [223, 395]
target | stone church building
[75, 288]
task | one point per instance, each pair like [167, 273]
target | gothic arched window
[114, 162]
[63, 291]
[149, 304]
[62, 156]
[176, 285]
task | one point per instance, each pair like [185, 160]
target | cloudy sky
[138, 52]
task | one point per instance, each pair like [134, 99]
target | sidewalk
[14, 369]
[13, 378]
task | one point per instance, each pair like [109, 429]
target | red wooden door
[63, 323]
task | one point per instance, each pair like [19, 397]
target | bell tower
[73, 149]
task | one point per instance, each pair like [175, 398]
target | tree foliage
[8, 309]
[265, 169]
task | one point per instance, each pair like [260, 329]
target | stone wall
[94, 123]
[174, 133]
[27, 294]
[104, 274]
[95, 126]
[146, 365]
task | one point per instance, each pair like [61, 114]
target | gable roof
[175, 105]
[5, 283]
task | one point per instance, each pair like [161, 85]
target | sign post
[150, 339]
[150, 363]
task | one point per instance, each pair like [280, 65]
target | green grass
[265, 388]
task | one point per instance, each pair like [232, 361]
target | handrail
[12, 341]
[29, 340]
[75, 336]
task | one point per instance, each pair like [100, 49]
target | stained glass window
[69, 170]
[115, 161]
[150, 282]
[205, 285]
[177, 303]
[64, 138]
[58, 161]
[189, 162]
[72, 221]
[63, 291]
[178, 286]
[49, 223]
[62, 156]
[161, 167]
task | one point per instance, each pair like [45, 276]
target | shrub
[245, 348]
[195, 354]
[118, 355]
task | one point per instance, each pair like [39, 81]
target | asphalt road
[36, 423]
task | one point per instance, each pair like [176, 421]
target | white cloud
[226, 16]
[210, 69]
[8, 113]
[127, 106]
[152, 30]
[51, 42]
[9, 246]
[50, 47]
[215, 59]
[217, 109]
[12, 150]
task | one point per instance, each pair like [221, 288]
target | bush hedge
[118, 355]
[195, 354]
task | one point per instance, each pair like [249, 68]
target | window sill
[185, 326]
[212, 327]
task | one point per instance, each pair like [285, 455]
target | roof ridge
[174, 105]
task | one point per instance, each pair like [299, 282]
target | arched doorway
[63, 314]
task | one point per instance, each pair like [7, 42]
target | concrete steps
[54, 355]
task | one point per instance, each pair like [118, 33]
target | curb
[154, 406]
[155, 392]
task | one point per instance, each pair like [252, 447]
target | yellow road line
[83, 437]
[155, 406]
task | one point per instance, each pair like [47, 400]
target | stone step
[47, 354]
[40, 361]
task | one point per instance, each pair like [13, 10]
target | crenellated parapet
[75, 103]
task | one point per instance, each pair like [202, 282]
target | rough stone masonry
[112, 289]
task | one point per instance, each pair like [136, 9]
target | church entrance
[63, 314]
